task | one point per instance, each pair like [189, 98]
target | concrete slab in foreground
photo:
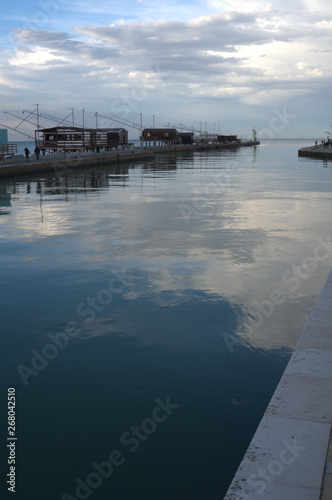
[290, 455]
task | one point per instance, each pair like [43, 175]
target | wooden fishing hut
[208, 138]
[227, 138]
[158, 136]
[79, 139]
[186, 137]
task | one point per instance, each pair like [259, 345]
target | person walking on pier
[37, 152]
[27, 154]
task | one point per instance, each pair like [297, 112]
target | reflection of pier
[64, 185]
[5, 199]
[87, 181]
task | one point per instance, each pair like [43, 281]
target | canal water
[148, 312]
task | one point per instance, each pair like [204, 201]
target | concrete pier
[61, 161]
[290, 455]
[317, 152]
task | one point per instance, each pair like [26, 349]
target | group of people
[27, 153]
[325, 144]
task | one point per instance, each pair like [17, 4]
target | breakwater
[317, 152]
[19, 166]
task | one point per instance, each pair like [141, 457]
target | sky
[216, 66]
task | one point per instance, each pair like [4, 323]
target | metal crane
[123, 121]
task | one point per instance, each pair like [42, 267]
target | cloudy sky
[211, 64]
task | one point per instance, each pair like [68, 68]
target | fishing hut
[72, 139]
[159, 136]
[208, 138]
[186, 137]
[226, 139]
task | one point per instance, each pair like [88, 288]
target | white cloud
[267, 56]
[38, 58]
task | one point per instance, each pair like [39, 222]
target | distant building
[186, 137]
[160, 135]
[206, 138]
[76, 138]
[227, 138]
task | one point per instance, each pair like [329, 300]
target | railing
[89, 143]
[7, 150]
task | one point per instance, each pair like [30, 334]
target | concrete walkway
[58, 162]
[290, 455]
[62, 156]
[62, 162]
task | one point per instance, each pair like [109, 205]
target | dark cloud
[64, 44]
[207, 33]
[198, 47]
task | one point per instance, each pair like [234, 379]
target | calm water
[148, 312]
